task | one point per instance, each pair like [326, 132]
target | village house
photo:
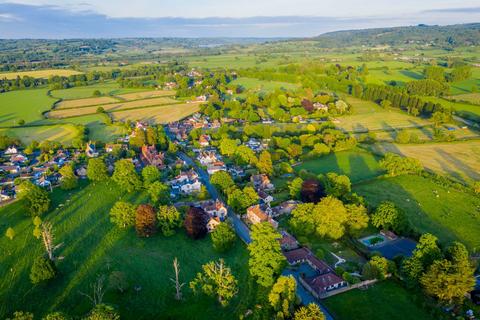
[185, 183]
[324, 283]
[207, 157]
[204, 140]
[150, 156]
[287, 241]
[215, 167]
[11, 150]
[325, 279]
[215, 209]
[257, 214]
[320, 106]
[236, 172]
[284, 208]
[264, 197]
[262, 182]
[254, 144]
[90, 150]
[212, 224]
[81, 172]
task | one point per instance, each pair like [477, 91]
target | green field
[384, 300]
[263, 85]
[358, 165]
[465, 110]
[453, 215]
[92, 246]
[39, 73]
[26, 105]
[460, 160]
[369, 116]
[107, 88]
[63, 133]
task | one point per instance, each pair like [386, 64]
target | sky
[220, 18]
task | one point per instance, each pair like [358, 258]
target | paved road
[244, 233]
[240, 227]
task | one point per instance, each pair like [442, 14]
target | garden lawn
[92, 246]
[27, 105]
[452, 215]
[358, 165]
[384, 300]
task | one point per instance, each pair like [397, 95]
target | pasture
[383, 300]
[73, 112]
[466, 110]
[27, 105]
[39, 73]
[92, 246]
[263, 85]
[473, 98]
[66, 104]
[146, 95]
[97, 125]
[357, 165]
[461, 160]
[109, 88]
[63, 133]
[367, 116]
[447, 213]
[160, 114]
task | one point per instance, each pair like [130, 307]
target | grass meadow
[108, 88]
[430, 207]
[383, 300]
[63, 133]
[39, 73]
[460, 160]
[357, 165]
[263, 85]
[368, 116]
[27, 105]
[159, 114]
[92, 246]
[73, 112]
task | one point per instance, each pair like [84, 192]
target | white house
[11, 150]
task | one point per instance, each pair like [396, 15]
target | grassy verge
[93, 246]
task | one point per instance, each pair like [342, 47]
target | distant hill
[453, 35]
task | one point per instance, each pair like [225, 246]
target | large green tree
[97, 170]
[264, 163]
[223, 237]
[266, 258]
[283, 297]
[35, 199]
[150, 174]
[388, 216]
[123, 214]
[125, 176]
[309, 312]
[69, 180]
[216, 280]
[169, 219]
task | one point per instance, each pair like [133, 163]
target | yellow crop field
[64, 113]
[84, 102]
[147, 94]
[161, 114]
[459, 159]
[39, 73]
